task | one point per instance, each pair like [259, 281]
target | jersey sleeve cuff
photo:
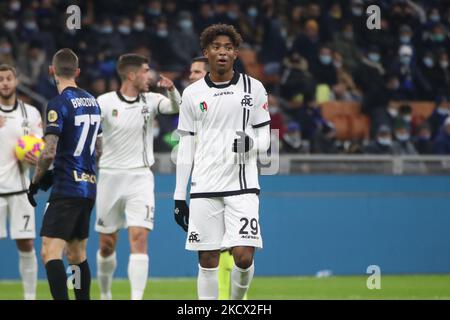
[259, 125]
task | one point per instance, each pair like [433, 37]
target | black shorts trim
[223, 194]
[12, 193]
[67, 218]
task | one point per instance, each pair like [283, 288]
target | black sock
[57, 279]
[83, 292]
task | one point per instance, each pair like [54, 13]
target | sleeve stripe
[261, 124]
[157, 107]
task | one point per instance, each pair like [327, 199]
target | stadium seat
[360, 126]
[332, 108]
[342, 125]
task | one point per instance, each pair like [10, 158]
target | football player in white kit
[17, 119]
[224, 123]
[125, 197]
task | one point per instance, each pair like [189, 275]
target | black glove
[242, 144]
[181, 214]
[46, 181]
[32, 190]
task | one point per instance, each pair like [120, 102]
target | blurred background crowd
[334, 85]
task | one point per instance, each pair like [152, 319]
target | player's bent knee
[107, 245]
[25, 245]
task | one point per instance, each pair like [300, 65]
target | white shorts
[218, 223]
[20, 214]
[124, 199]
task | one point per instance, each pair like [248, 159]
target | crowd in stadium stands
[308, 54]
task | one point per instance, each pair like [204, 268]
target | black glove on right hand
[32, 190]
[181, 214]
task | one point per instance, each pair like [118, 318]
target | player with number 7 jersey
[73, 144]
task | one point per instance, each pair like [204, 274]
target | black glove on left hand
[242, 144]
[32, 190]
[46, 181]
[181, 214]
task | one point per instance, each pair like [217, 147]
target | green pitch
[336, 287]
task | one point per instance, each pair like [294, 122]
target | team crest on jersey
[203, 106]
[115, 113]
[52, 116]
[247, 101]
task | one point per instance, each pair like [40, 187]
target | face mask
[5, 50]
[348, 35]
[392, 112]
[15, 6]
[357, 11]
[442, 111]
[385, 141]
[402, 137]
[425, 137]
[232, 15]
[428, 62]
[374, 57]
[443, 63]
[124, 29]
[273, 110]
[325, 59]
[10, 25]
[405, 39]
[154, 12]
[162, 33]
[435, 18]
[139, 26]
[407, 118]
[337, 64]
[293, 139]
[107, 29]
[31, 25]
[185, 24]
[438, 37]
[156, 132]
[252, 12]
[405, 60]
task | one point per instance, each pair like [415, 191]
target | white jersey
[214, 113]
[128, 128]
[22, 119]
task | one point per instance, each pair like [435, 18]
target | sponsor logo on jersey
[84, 177]
[223, 93]
[247, 101]
[193, 237]
[52, 116]
[115, 113]
[203, 106]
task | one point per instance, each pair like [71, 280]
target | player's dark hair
[212, 32]
[129, 62]
[65, 63]
[202, 59]
[7, 67]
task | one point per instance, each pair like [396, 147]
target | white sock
[28, 273]
[138, 274]
[208, 283]
[105, 270]
[240, 281]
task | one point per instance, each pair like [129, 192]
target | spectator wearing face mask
[427, 67]
[442, 73]
[409, 75]
[405, 36]
[405, 115]
[383, 142]
[403, 144]
[344, 42]
[292, 140]
[442, 141]
[386, 116]
[369, 76]
[422, 141]
[439, 115]
[323, 69]
[436, 38]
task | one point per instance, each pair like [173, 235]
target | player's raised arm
[172, 104]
